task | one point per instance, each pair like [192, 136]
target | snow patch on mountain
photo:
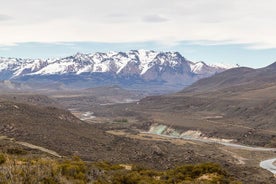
[134, 65]
[201, 68]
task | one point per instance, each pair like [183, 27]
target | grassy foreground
[17, 166]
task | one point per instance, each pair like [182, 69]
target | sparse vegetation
[16, 151]
[28, 169]
[58, 130]
[107, 166]
[2, 159]
[121, 120]
[201, 173]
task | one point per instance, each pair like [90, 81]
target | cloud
[64, 43]
[5, 48]
[118, 18]
[5, 17]
[154, 19]
[238, 21]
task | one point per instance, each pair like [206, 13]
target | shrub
[16, 151]
[2, 159]
[73, 169]
[123, 120]
[107, 166]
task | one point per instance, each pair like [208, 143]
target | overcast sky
[247, 24]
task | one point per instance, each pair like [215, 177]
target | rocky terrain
[237, 104]
[58, 130]
[27, 164]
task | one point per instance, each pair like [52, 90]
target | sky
[215, 31]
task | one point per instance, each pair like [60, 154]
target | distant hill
[238, 80]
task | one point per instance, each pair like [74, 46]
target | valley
[137, 92]
[132, 128]
[117, 138]
[159, 132]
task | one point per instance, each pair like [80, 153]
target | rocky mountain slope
[133, 69]
[236, 80]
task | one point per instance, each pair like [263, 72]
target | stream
[269, 165]
[164, 130]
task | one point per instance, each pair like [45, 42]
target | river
[165, 131]
[269, 165]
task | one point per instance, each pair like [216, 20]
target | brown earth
[60, 131]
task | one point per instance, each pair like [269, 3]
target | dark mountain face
[239, 79]
[272, 66]
[222, 80]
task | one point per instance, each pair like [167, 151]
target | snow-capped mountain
[203, 70]
[124, 68]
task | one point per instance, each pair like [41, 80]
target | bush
[50, 171]
[107, 166]
[2, 159]
[193, 172]
[133, 178]
[48, 180]
[73, 169]
[123, 120]
[16, 151]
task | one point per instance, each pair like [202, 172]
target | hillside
[58, 130]
[21, 164]
[237, 104]
[237, 80]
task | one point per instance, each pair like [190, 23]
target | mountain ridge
[236, 79]
[133, 68]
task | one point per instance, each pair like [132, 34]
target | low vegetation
[121, 120]
[20, 168]
[201, 173]
[2, 159]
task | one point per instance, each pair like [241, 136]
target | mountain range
[237, 105]
[136, 69]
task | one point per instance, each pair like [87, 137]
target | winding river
[269, 165]
[166, 131]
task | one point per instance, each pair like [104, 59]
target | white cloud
[236, 21]
[154, 18]
[4, 17]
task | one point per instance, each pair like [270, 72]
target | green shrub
[2, 159]
[16, 151]
[108, 166]
[123, 120]
[133, 178]
[73, 169]
[52, 171]
[48, 180]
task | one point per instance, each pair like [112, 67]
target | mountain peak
[202, 63]
[79, 54]
[272, 66]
